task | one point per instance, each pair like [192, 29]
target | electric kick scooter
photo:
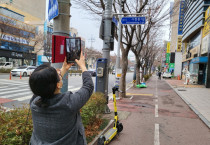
[118, 127]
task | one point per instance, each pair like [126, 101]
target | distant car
[113, 72]
[92, 72]
[166, 75]
[6, 65]
[73, 68]
[24, 70]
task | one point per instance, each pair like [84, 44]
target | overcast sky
[89, 28]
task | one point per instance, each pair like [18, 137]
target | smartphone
[73, 49]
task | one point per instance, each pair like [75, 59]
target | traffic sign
[114, 20]
[133, 20]
[52, 9]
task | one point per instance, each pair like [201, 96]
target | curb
[192, 107]
[95, 141]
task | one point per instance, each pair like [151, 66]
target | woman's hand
[81, 62]
[65, 67]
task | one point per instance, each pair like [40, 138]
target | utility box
[101, 68]
[58, 48]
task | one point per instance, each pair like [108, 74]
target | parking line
[156, 110]
[132, 94]
[156, 138]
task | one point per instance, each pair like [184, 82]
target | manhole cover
[182, 90]
[143, 105]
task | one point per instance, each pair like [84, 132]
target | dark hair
[43, 82]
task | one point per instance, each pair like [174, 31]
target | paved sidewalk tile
[196, 96]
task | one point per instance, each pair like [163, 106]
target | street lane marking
[3, 87]
[156, 138]
[139, 94]
[23, 98]
[11, 82]
[15, 90]
[16, 95]
[16, 84]
[156, 110]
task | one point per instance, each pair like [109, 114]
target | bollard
[10, 76]
[178, 77]
[20, 76]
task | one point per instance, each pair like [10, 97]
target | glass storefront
[15, 47]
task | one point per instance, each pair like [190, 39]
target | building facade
[16, 39]
[194, 45]
[33, 10]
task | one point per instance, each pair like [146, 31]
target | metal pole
[134, 75]
[117, 79]
[61, 25]
[106, 42]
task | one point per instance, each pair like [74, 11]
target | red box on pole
[58, 48]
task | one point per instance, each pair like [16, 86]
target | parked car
[113, 72]
[24, 70]
[166, 75]
[73, 68]
[92, 72]
[6, 65]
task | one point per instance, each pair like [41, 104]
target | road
[156, 115]
[16, 92]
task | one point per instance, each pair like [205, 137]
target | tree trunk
[142, 74]
[123, 77]
[150, 69]
[137, 70]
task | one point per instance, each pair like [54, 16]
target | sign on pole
[114, 20]
[133, 20]
[52, 9]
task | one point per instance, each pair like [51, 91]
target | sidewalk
[196, 96]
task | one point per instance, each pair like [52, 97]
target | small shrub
[94, 106]
[146, 77]
[75, 71]
[13, 126]
[2, 70]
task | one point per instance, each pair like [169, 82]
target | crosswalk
[19, 90]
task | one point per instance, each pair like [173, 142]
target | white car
[23, 70]
[6, 65]
[167, 75]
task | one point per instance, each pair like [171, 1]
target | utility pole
[106, 42]
[61, 25]
[91, 40]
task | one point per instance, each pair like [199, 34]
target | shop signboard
[181, 17]
[179, 44]
[168, 47]
[205, 44]
[167, 57]
[206, 29]
[14, 39]
[171, 65]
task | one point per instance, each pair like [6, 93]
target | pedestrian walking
[56, 116]
[159, 74]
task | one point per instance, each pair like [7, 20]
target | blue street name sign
[52, 9]
[133, 20]
[115, 21]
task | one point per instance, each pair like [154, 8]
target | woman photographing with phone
[56, 116]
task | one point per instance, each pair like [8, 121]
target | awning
[199, 60]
